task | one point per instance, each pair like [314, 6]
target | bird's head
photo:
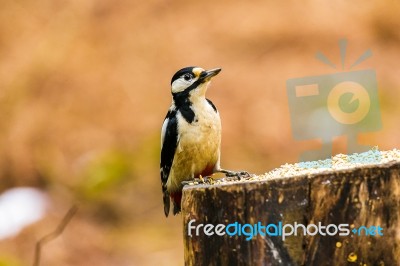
[192, 80]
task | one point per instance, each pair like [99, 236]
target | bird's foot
[235, 175]
[206, 179]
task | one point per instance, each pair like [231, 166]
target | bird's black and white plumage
[191, 134]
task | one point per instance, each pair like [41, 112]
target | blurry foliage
[100, 184]
[106, 172]
[9, 261]
[111, 176]
[84, 87]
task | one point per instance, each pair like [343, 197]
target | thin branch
[47, 238]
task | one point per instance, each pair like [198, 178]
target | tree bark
[364, 196]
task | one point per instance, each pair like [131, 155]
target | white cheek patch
[180, 85]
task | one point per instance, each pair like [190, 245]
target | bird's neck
[194, 97]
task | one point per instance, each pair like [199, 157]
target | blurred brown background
[84, 88]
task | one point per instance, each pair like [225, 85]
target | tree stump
[367, 195]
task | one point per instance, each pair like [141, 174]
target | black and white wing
[169, 142]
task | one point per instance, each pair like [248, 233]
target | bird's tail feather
[176, 200]
[166, 203]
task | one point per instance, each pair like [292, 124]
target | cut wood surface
[353, 194]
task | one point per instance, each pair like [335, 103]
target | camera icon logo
[323, 107]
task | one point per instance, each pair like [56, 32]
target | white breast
[199, 144]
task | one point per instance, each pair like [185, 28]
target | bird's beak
[208, 74]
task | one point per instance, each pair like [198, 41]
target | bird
[190, 135]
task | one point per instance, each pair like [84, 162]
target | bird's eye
[187, 77]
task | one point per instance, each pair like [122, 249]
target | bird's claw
[206, 179]
[200, 180]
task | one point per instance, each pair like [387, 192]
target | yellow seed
[352, 257]
[280, 198]
[338, 244]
